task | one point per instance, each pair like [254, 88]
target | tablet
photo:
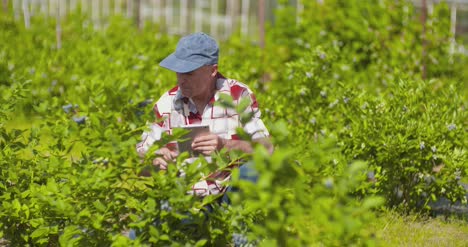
[195, 130]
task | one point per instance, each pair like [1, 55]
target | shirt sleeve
[255, 127]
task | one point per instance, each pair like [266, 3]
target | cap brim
[175, 64]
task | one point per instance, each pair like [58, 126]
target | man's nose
[182, 81]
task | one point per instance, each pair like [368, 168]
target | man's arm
[245, 146]
[207, 144]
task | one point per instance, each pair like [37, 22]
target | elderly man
[192, 102]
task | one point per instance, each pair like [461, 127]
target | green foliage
[351, 120]
[354, 76]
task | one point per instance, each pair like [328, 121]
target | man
[192, 102]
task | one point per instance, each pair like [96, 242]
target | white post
[229, 21]
[32, 7]
[53, 8]
[140, 17]
[183, 16]
[95, 14]
[453, 26]
[17, 9]
[214, 19]
[105, 8]
[430, 8]
[156, 9]
[63, 8]
[44, 8]
[27, 17]
[198, 17]
[72, 5]
[58, 27]
[117, 7]
[84, 6]
[5, 6]
[299, 10]
[129, 8]
[169, 12]
[245, 18]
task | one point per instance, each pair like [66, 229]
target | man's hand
[207, 143]
[166, 155]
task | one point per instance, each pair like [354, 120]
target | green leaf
[99, 206]
[201, 242]
[373, 202]
[40, 232]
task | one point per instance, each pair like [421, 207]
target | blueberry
[399, 194]
[239, 239]
[451, 127]
[79, 120]
[145, 103]
[67, 108]
[371, 175]
[429, 179]
[421, 145]
[323, 94]
[165, 206]
[328, 183]
[313, 121]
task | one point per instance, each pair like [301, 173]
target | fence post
[5, 6]
[72, 6]
[299, 10]
[245, 18]
[84, 6]
[430, 8]
[213, 19]
[231, 8]
[129, 7]
[198, 17]
[16, 10]
[117, 6]
[261, 22]
[168, 13]
[162, 16]
[44, 8]
[156, 10]
[453, 26]
[95, 12]
[63, 8]
[423, 39]
[27, 17]
[189, 20]
[105, 8]
[183, 18]
[58, 27]
[138, 17]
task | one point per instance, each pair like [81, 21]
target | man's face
[198, 82]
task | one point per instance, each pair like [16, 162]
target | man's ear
[214, 70]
